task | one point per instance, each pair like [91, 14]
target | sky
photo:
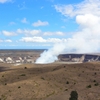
[40, 24]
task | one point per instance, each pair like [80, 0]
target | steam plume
[85, 40]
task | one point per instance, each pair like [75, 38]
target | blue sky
[38, 24]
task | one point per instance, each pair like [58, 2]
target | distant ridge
[79, 57]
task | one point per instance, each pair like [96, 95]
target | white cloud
[22, 6]
[85, 7]
[48, 33]
[8, 40]
[88, 20]
[29, 32]
[90, 27]
[40, 23]
[39, 32]
[56, 40]
[20, 31]
[59, 33]
[33, 32]
[24, 20]
[4, 1]
[51, 0]
[63, 27]
[1, 40]
[42, 7]
[12, 23]
[33, 39]
[7, 33]
[42, 40]
[53, 33]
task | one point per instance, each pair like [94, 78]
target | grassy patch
[3, 97]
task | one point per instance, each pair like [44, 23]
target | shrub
[89, 86]
[19, 87]
[95, 73]
[66, 89]
[96, 84]
[25, 67]
[74, 83]
[64, 66]
[74, 95]
[67, 82]
[2, 75]
[42, 78]
[94, 81]
[23, 75]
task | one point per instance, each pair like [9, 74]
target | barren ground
[49, 81]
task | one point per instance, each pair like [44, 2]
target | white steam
[51, 55]
[86, 40]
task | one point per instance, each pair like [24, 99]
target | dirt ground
[49, 81]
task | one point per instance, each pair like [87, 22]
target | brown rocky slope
[49, 81]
